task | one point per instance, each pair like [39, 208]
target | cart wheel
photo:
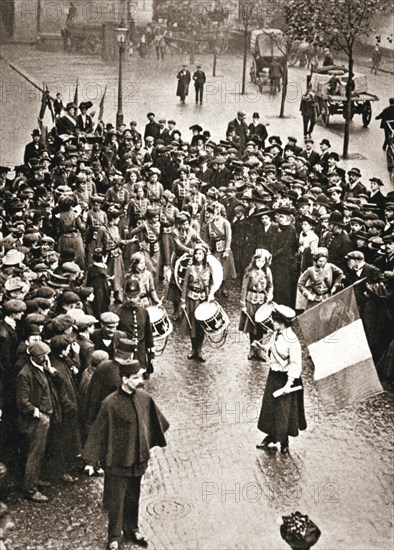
[367, 114]
[325, 113]
[92, 44]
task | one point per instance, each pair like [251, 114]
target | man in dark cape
[128, 425]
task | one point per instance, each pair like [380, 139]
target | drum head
[155, 313]
[206, 311]
[264, 312]
[217, 271]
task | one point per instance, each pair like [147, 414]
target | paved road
[210, 488]
[150, 85]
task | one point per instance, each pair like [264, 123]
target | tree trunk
[245, 61]
[348, 107]
[284, 89]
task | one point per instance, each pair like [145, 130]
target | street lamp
[121, 36]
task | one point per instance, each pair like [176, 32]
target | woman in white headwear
[282, 416]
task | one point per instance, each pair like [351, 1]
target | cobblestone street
[210, 488]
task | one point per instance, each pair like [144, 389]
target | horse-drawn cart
[83, 38]
[329, 86]
[266, 45]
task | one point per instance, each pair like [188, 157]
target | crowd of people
[96, 220]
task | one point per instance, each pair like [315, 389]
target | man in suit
[386, 115]
[339, 243]
[128, 425]
[152, 128]
[325, 147]
[309, 154]
[199, 82]
[184, 78]
[107, 337]
[354, 187]
[38, 405]
[358, 269]
[240, 128]
[163, 133]
[257, 131]
[376, 196]
[34, 148]
[84, 121]
[171, 129]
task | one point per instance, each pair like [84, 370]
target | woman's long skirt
[285, 415]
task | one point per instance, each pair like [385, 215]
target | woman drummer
[257, 289]
[284, 415]
[197, 288]
[148, 295]
[185, 239]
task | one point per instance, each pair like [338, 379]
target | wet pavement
[211, 488]
[150, 85]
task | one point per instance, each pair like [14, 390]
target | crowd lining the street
[93, 223]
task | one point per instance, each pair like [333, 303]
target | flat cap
[14, 306]
[37, 349]
[109, 318]
[355, 255]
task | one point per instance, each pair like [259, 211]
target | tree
[250, 12]
[341, 23]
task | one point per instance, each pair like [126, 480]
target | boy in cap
[124, 450]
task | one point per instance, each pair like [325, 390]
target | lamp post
[121, 36]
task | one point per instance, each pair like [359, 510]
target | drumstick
[187, 318]
[250, 319]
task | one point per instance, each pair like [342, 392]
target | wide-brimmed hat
[13, 257]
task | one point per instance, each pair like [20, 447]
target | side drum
[160, 322]
[212, 317]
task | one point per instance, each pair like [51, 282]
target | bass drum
[184, 261]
